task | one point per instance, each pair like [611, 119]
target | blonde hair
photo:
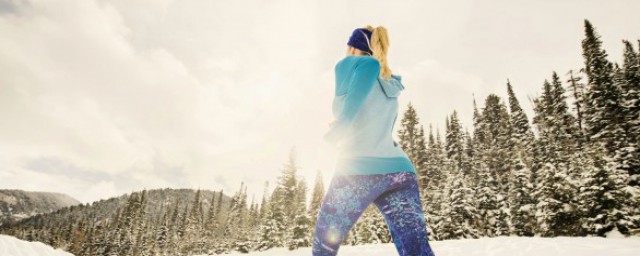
[380, 47]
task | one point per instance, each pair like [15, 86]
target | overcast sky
[101, 98]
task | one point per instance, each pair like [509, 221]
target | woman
[371, 166]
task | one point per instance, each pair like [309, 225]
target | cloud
[102, 94]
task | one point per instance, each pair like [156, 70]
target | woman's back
[366, 109]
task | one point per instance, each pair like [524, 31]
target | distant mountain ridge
[125, 223]
[18, 204]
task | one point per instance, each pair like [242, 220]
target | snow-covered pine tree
[232, 227]
[628, 154]
[161, 241]
[262, 228]
[463, 213]
[565, 131]
[272, 227]
[603, 195]
[603, 101]
[211, 221]
[254, 218]
[420, 163]
[444, 224]
[408, 132]
[128, 225]
[141, 226]
[522, 134]
[242, 243]
[182, 242]
[280, 214]
[300, 230]
[497, 139]
[364, 230]
[287, 184]
[193, 226]
[485, 196]
[432, 188]
[520, 202]
[316, 199]
[576, 87]
[174, 229]
[263, 203]
[467, 160]
[454, 142]
[556, 207]
[498, 154]
[555, 183]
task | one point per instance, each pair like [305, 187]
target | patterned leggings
[397, 197]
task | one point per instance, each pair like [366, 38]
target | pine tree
[628, 154]
[301, 235]
[420, 163]
[485, 197]
[174, 226]
[463, 213]
[273, 226]
[432, 188]
[220, 203]
[522, 134]
[455, 141]
[556, 208]
[498, 146]
[264, 203]
[316, 199]
[280, 214]
[211, 222]
[408, 132]
[193, 226]
[233, 226]
[565, 130]
[577, 91]
[162, 236]
[521, 204]
[603, 195]
[602, 100]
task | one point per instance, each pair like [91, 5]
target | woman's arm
[364, 77]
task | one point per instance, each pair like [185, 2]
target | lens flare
[333, 236]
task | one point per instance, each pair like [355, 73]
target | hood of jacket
[392, 87]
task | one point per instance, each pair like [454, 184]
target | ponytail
[380, 47]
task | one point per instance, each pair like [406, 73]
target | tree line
[573, 171]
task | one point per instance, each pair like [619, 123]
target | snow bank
[11, 246]
[497, 246]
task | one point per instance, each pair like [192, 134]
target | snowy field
[11, 246]
[497, 246]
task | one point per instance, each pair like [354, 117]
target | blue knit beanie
[360, 39]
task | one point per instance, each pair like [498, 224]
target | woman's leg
[403, 213]
[346, 199]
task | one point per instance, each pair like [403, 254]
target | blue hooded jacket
[365, 108]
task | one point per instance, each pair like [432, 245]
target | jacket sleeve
[365, 74]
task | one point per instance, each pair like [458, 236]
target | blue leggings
[397, 197]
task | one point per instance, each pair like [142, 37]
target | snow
[496, 246]
[11, 246]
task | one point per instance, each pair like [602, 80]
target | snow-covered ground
[497, 246]
[11, 246]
